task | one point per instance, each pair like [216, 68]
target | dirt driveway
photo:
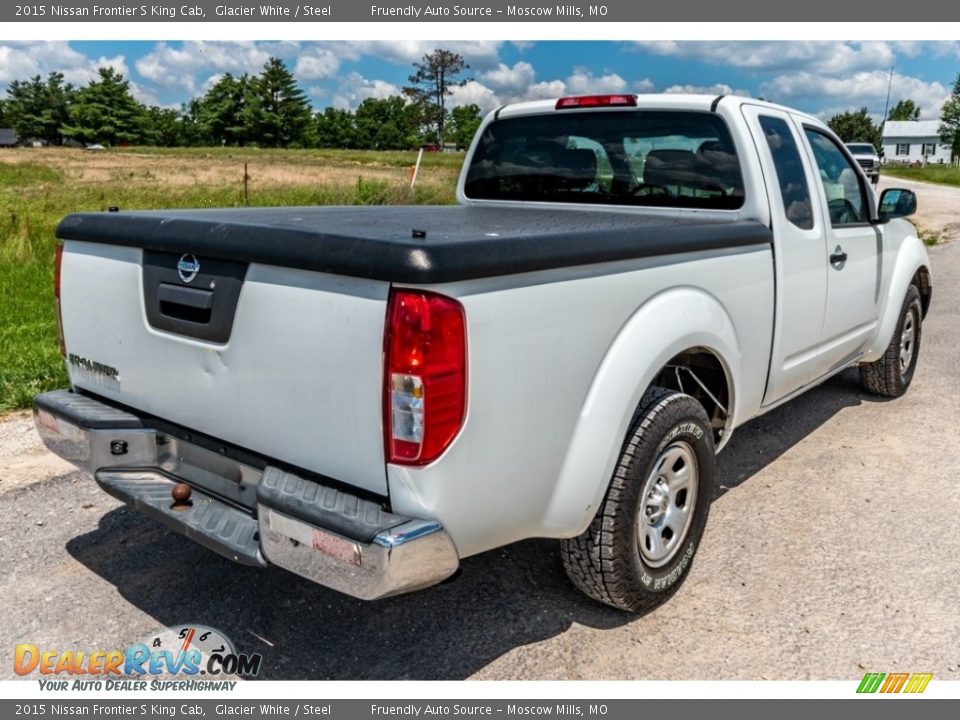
[833, 548]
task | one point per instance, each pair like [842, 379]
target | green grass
[35, 195]
[939, 174]
[26, 174]
[339, 158]
[29, 354]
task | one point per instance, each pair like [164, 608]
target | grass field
[40, 186]
[940, 174]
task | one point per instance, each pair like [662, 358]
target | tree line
[858, 126]
[264, 110]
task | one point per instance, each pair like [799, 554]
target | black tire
[875, 179]
[606, 562]
[888, 377]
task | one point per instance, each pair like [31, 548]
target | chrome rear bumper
[255, 515]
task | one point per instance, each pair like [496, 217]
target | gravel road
[832, 549]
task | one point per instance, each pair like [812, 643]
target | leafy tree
[335, 128]
[430, 85]
[104, 111]
[464, 121]
[855, 127]
[221, 110]
[386, 124]
[37, 108]
[276, 113]
[950, 120]
[4, 113]
[904, 110]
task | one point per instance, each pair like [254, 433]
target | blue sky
[819, 77]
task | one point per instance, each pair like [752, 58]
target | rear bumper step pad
[226, 530]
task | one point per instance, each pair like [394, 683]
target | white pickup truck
[364, 396]
[866, 156]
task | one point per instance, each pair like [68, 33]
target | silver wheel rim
[666, 504]
[908, 340]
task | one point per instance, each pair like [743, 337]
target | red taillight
[58, 261]
[580, 101]
[425, 391]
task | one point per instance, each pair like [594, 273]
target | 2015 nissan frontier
[366, 395]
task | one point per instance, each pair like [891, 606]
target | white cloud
[583, 82]
[715, 89]
[774, 56]
[644, 86]
[316, 63]
[355, 89]
[475, 93]
[543, 91]
[182, 67]
[828, 95]
[509, 79]
[21, 61]
[481, 55]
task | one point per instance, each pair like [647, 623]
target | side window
[793, 181]
[846, 201]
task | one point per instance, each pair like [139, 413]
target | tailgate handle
[188, 297]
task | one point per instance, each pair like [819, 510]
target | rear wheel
[890, 376]
[639, 547]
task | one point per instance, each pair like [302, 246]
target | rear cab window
[794, 191]
[677, 159]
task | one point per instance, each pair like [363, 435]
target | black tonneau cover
[412, 244]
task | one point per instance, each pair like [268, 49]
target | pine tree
[431, 84]
[276, 112]
[104, 111]
[37, 108]
[221, 110]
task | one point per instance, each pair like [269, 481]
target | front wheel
[890, 376]
[640, 546]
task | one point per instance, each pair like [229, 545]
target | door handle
[838, 257]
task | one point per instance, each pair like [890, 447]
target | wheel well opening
[698, 373]
[922, 280]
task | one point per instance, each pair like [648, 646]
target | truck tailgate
[284, 362]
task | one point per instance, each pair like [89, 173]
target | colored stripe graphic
[870, 682]
[894, 683]
[918, 682]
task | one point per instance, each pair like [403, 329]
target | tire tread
[593, 560]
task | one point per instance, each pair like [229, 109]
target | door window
[846, 199]
[794, 190]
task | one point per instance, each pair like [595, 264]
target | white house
[914, 141]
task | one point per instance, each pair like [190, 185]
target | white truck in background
[867, 158]
[365, 396]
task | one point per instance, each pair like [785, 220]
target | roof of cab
[662, 101]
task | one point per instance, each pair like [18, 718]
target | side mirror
[896, 203]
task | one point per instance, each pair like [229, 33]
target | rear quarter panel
[558, 361]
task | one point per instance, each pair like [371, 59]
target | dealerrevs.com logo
[173, 658]
[890, 683]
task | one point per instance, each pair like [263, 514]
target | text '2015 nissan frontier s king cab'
[366, 395]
